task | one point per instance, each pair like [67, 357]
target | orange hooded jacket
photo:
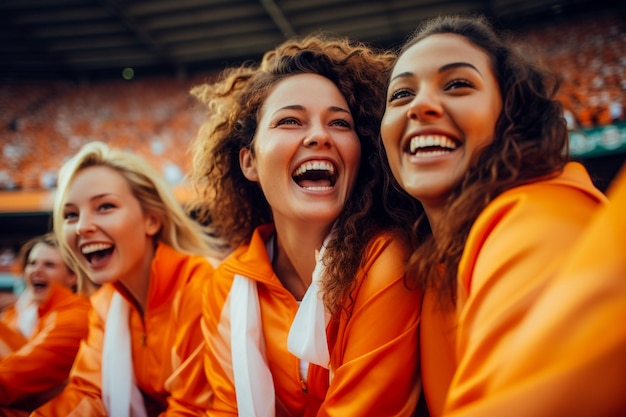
[372, 346]
[166, 344]
[39, 366]
[513, 249]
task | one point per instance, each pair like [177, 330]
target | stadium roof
[86, 39]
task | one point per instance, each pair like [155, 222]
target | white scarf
[307, 335]
[253, 380]
[120, 394]
[27, 314]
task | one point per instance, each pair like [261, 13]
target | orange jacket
[570, 353]
[513, 249]
[372, 348]
[42, 364]
[166, 344]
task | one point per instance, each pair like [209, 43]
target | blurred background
[119, 71]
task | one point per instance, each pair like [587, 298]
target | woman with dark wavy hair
[310, 315]
[473, 132]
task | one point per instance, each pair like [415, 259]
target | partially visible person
[120, 222]
[40, 333]
[310, 315]
[569, 354]
[473, 132]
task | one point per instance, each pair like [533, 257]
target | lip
[407, 139]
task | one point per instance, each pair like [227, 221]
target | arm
[10, 341]
[512, 252]
[568, 356]
[375, 358]
[188, 386]
[43, 363]
[82, 395]
[217, 352]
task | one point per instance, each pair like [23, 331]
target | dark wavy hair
[530, 143]
[232, 206]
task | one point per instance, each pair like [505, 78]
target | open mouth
[97, 253]
[39, 285]
[315, 175]
[431, 145]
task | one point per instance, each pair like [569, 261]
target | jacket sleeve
[188, 387]
[82, 395]
[10, 340]
[377, 345]
[568, 358]
[217, 352]
[43, 363]
[513, 250]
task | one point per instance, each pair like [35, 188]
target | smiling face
[45, 266]
[105, 227]
[306, 151]
[443, 102]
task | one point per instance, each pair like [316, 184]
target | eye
[67, 215]
[399, 94]
[105, 206]
[341, 123]
[288, 121]
[458, 83]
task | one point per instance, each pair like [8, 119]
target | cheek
[390, 129]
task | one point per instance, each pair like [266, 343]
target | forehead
[304, 90]
[98, 180]
[44, 251]
[437, 50]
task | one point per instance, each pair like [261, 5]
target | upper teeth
[94, 247]
[431, 140]
[315, 166]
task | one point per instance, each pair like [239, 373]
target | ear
[248, 164]
[152, 224]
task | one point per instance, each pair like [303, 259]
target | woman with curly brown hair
[472, 131]
[310, 315]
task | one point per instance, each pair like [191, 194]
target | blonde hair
[155, 197]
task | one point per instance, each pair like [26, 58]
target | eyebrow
[334, 109]
[442, 69]
[95, 197]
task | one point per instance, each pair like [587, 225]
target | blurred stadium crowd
[44, 123]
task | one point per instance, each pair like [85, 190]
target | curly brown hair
[232, 206]
[530, 143]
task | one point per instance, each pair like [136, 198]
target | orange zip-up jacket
[166, 344]
[41, 365]
[373, 348]
[569, 357]
[513, 249]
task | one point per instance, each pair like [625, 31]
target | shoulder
[384, 263]
[568, 197]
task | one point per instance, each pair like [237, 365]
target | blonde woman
[119, 221]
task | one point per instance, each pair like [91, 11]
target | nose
[84, 226]
[426, 105]
[317, 136]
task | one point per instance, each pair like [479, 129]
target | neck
[294, 257]
[138, 282]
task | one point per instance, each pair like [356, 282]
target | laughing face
[106, 228]
[443, 102]
[44, 267]
[306, 151]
